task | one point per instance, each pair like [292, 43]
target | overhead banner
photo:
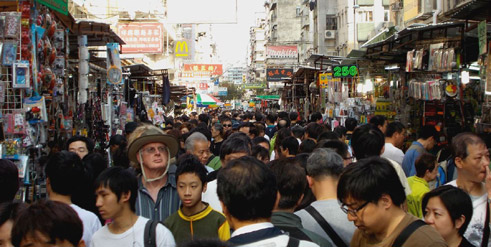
[141, 37]
[56, 5]
[201, 70]
[282, 52]
[278, 74]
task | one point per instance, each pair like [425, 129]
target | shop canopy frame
[395, 47]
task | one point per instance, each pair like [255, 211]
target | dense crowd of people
[235, 178]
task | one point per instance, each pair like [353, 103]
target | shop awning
[478, 10]
[381, 36]
[206, 99]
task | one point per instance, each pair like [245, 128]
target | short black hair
[119, 181]
[350, 124]
[65, 172]
[10, 211]
[293, 116]
[428, 131]
[368, 179]
[10, 180]
[328, 135]
[456, 201]
[314, 130]
[203, 130]
[204, 118]
[291, 182]
[259, 139]
[235, 144]
[425, 162]
[298, 131]
[280, 135]
[130, 127]
[88, 142]
[315, 116]
[271, 118]
[247, 188]
[337, 145]
[378, 120]
[340, 131]
[367, 141]
[461, 141]
[258, 116]
[394, 127]
[258, 150]
[290, 143]
[188, 163]
[283, 114]
[286, 125]
[307, 146]
[53, 219]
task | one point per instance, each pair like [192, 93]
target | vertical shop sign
[488, 76]
[483, 38]
[141, 37]
[56, 5]
[323, 80]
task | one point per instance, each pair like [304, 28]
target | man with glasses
[150, 151]
[323, 169]
[227, 124]
[370, 194]
[80, 145]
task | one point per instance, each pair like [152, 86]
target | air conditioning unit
[330, 34]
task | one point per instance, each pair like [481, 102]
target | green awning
[381, 36]
[268, 96]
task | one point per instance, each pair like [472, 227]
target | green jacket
[203, 225]
[419, 187]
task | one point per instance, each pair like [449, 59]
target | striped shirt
[167, 199]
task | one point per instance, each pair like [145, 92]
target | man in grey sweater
[324, 167]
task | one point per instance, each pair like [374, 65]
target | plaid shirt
[167, 199]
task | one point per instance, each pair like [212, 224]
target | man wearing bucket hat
[150, 151]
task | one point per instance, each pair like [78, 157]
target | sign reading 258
[345, 71]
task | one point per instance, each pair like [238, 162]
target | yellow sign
[411, 9]
[323, 80]
[181, 49]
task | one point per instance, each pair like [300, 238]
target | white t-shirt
[393, 153]
[475, 229]
[210, 196]
[89, 220]
[132, 237]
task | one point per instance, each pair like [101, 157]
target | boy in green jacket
[195, 219]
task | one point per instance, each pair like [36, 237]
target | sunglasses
[227, 125]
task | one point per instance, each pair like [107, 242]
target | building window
[386, 15]
[331, 22]
[298, 11]
[365, 16]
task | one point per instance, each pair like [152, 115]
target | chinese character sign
[278, 74]
[141, 37]
[202, 70]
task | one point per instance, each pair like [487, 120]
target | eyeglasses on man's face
[152, 150]
[353, 212]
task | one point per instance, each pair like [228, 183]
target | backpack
[150, 236]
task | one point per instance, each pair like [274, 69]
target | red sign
[281, 52]
[141, 37]
[202, 70]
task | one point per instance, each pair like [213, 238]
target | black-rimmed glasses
[353, 212]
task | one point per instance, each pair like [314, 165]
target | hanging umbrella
[206, 99]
